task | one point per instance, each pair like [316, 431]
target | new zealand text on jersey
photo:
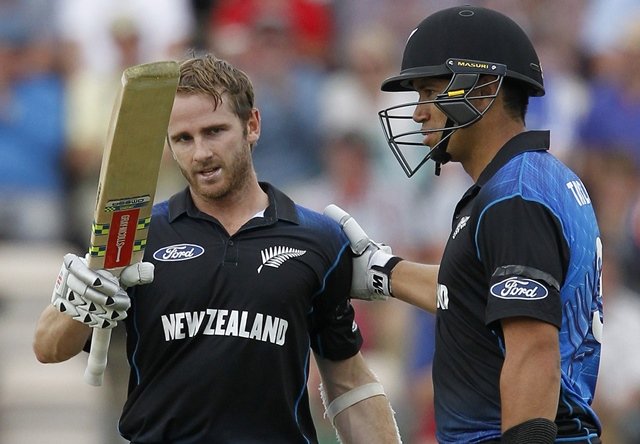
[219, 322]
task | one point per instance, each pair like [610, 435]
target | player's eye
[427, 94]
[215, 130]
[181, 138]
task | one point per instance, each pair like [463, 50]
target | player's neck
[490, 137]
[237, 208]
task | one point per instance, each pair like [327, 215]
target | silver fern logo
[461, 225]
[275, 256]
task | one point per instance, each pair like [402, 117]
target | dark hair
[214, 77]
[515, 97]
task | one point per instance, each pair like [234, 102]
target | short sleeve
[334, 333]
[525, 255]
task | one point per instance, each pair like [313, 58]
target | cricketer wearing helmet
[517, 295]
[458, 45]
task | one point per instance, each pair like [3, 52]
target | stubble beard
[237, 175]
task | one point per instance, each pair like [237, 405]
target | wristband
[353, 397]
[533, 431]
[380, 276]
[390, 265]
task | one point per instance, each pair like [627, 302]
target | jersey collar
[525, 141]
[281, 207]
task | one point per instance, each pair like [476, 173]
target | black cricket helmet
[463, 43]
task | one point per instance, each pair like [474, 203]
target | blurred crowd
[317, 66]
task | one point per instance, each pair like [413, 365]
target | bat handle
[97, 362]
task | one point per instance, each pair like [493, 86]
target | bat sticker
[127, 203]
[121, 238]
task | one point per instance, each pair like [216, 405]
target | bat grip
[97, 362]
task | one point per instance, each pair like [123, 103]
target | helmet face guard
[405, 136]
[453, 43]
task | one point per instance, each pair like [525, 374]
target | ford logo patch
[519, 288]
[178, 252]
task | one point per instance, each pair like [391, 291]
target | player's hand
[96, 297]
[372, 263]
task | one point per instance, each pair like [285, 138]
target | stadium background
[317, 66]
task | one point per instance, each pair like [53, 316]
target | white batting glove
[373, 262]
[95, 297]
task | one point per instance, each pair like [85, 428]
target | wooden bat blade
[128, 180]
[131, 163]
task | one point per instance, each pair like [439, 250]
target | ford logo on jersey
[178, 252]
[519, 288]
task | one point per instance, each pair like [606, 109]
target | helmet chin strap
[439, 154]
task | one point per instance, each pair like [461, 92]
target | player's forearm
[367, 418]
[528, 393]
[370, 421]
[58, 337]
[415, 284]
[529, 386]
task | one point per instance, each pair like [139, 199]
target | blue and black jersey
[219, 344]
[524, 242]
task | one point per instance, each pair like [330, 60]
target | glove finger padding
[94, 298]
[82, 277]
[370, 279]
[139, 273]
[87, 312]
[104, 291]
[98, 317]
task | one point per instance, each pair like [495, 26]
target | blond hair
[215, 77]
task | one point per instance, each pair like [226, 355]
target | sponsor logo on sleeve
[178, 252]
[519, 288]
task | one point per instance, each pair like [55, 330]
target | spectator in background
[288, 88]
[90, 96]
[603, 23]
[349, 180]
[90, 100]
[618, 390]
[165, 29]
[351, 96]
[553, 27]
[630, 245]
[32, 188]
[609, 135]
[311, 23]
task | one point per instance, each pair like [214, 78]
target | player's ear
[253, 127]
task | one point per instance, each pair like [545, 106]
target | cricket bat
[128, 181]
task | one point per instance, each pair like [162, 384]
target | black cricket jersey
[219, 344]
[524, 242]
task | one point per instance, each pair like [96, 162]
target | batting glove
[96, 297]
[372, 263]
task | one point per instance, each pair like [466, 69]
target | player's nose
[202, 149]
[421, 113]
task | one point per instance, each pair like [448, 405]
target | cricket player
[238, 286]
[517, 295]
